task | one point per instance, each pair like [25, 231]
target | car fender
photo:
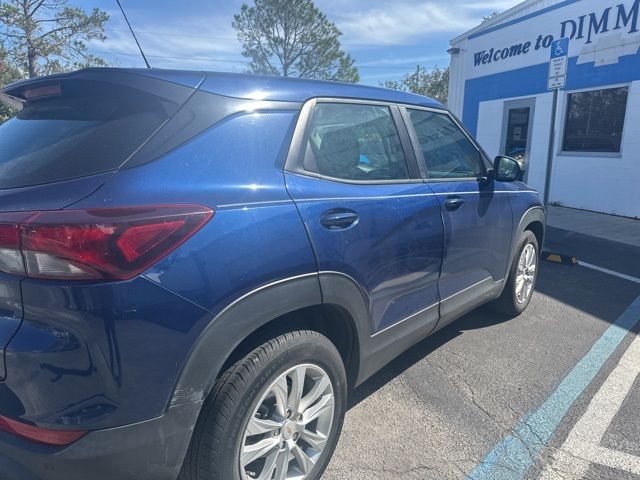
[257, 308]
[234, 324]
[533, 214]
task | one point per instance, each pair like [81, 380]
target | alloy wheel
[526, 274]
[290, 426]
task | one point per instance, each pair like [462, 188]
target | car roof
[261, 87]
[299, 90]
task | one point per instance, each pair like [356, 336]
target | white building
[498, 87]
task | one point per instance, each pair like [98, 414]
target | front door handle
[339, 219]
[453, 203]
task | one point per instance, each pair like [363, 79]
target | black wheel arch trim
[246, 315]
[374, 349]
[229, 328]
[533, 214]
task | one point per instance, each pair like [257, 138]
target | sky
[386, 38]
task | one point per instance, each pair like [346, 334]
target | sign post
[557, 79]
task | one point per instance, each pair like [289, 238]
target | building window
[595, 121]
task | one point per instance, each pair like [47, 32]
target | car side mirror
[506, 169]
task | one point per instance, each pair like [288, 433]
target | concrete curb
[554, 257]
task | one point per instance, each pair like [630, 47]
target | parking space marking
[514, 455]
[582, 446]
[610, 272]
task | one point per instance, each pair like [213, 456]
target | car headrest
[339, 152]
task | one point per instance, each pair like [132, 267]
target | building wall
[603, 56]
[603, 184]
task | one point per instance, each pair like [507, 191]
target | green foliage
[292, 38]
[8, 75]
[433, 84]
[49, 36]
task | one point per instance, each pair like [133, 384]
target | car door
[368, 214]
[477, 216]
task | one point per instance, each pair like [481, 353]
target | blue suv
[195, 268]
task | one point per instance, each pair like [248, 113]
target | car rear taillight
[40, 435]
[99, 244]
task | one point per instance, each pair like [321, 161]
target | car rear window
[74, 128]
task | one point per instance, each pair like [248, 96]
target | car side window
[355, 142]
[447, 151]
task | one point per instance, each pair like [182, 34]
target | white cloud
[376, 78]
[383, 62]
[403, 23]
[493, 6]
[180, 42]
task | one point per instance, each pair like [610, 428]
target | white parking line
[582, 447]
[610, 272]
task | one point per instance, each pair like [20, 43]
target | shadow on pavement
[481, 318]
[596, 294]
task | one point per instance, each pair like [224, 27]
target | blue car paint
[51, 196]
[40, 197]
[475, 245]
[100, 355]
[87, 355]
[235, 169]
[10, 314]
[282, 89]
[121, 342]
[395, 250]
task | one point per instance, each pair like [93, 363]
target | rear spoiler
[12, 102]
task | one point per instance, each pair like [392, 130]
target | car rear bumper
[152, 450]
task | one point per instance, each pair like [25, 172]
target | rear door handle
[453, 203]
[339, 219]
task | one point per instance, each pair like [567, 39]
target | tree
[49, 36]
[8, 75]
[434, 83]
[292, 38]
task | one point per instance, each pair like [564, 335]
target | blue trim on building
[533, 81]
[522, 19]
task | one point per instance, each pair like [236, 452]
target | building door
[518, 126]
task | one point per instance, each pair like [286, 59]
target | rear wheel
[518, 291]
[275, 415]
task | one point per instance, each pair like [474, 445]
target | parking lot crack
[465, 475]
[558, 472]
[504, 430]
[471, 394]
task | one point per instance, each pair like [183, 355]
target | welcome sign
[603, 35]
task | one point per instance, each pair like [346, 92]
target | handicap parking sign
[560, 48]
[558, 65]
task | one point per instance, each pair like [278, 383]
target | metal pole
[552, 139]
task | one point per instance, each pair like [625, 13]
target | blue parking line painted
[512, 457]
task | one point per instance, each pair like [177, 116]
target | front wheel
[522, 278]
[274, 415]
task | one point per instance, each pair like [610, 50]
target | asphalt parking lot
[553, 394]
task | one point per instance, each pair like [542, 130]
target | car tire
[249, 399]
[512, 302]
